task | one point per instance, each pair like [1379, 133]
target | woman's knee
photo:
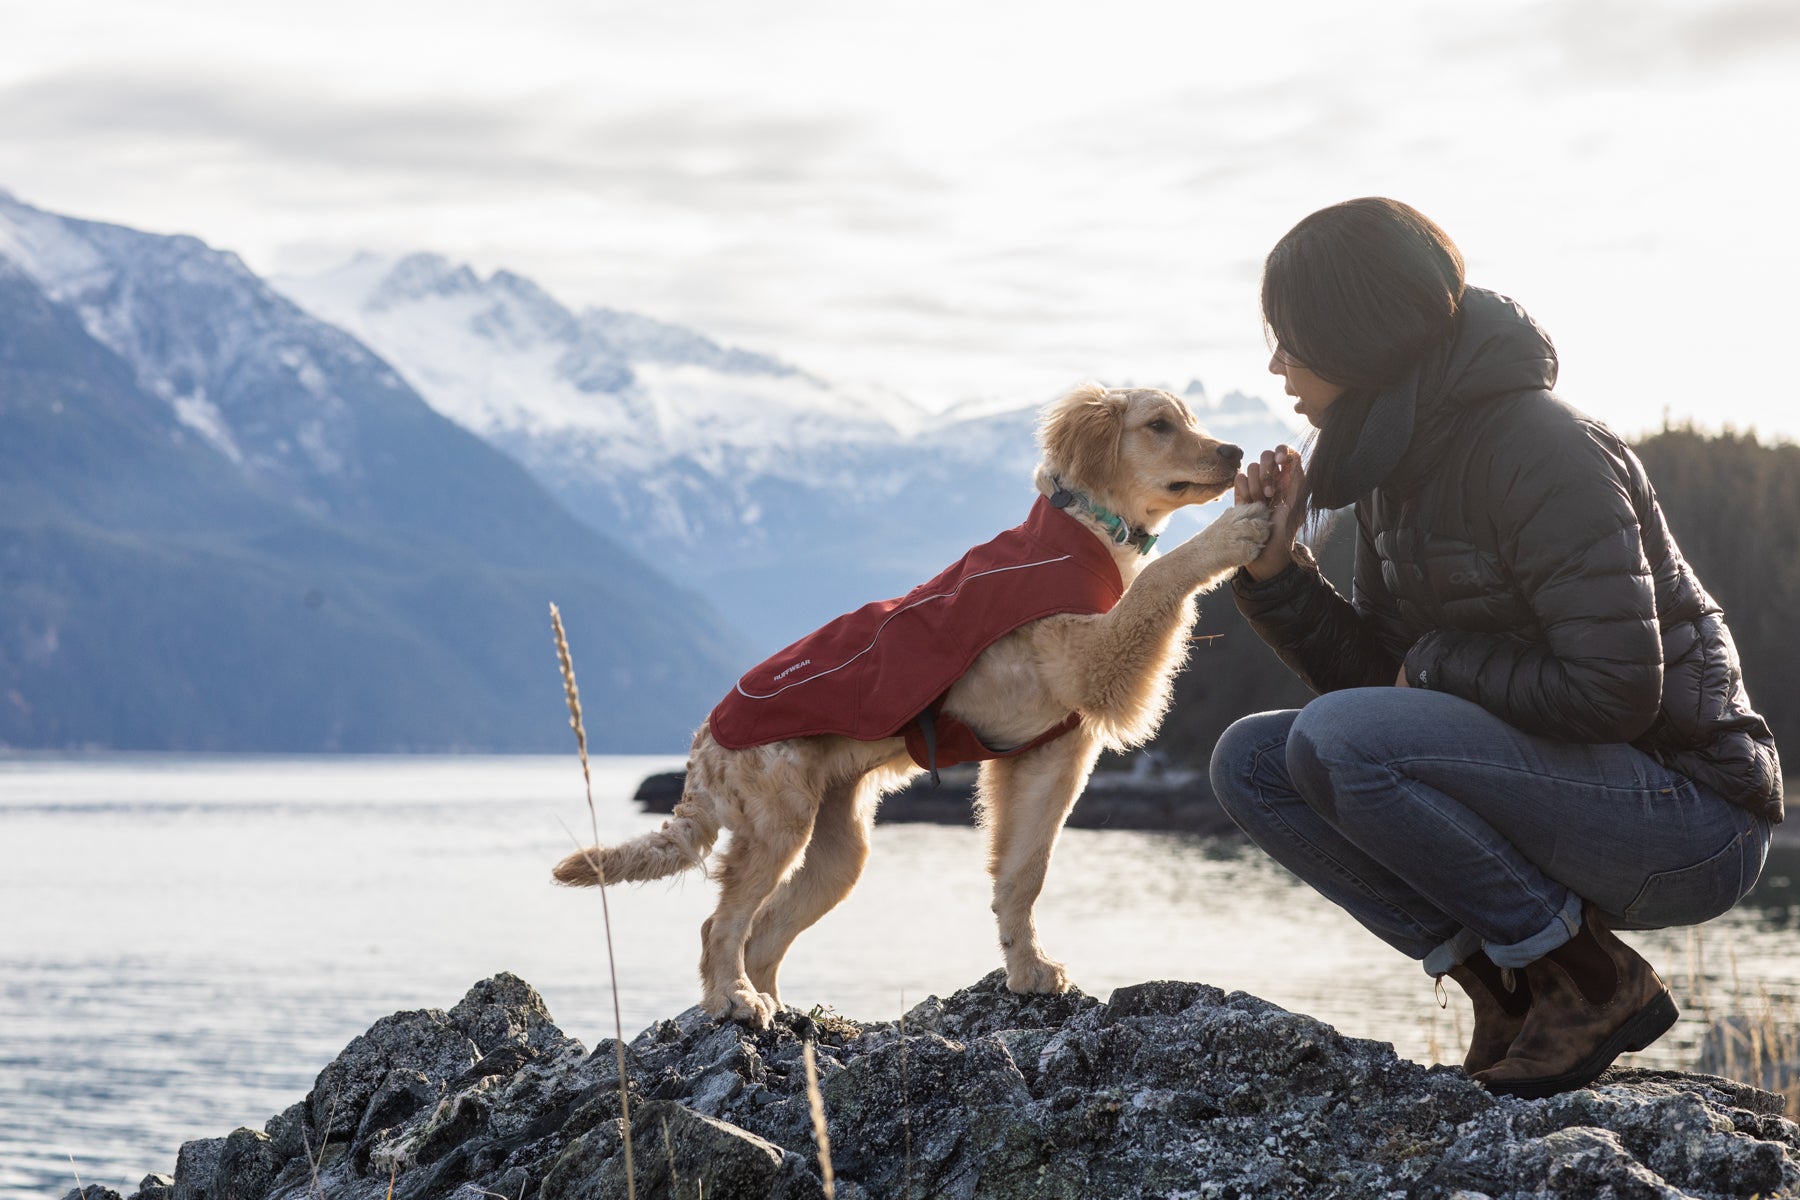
[1244, 752]
[1338, 735]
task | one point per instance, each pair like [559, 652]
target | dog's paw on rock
[1042, 976]
[744, 1005]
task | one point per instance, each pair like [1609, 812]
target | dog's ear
[1081, 434]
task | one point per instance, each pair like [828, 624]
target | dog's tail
[680, 845]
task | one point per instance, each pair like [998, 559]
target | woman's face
[1312, 395]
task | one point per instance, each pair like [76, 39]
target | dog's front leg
[1142, 637]
[1235, 537]
[1024, 802]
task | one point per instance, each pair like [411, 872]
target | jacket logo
[1462, 577]
[805, 662]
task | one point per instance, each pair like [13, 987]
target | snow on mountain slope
[239, 365]
[505, 359]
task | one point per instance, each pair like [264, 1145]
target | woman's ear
[1081, 434]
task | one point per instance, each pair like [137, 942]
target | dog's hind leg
[833, 863]
[762, 853]
[1024, 802]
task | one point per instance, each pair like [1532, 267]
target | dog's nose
[1231, 454]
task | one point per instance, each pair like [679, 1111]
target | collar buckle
[1121, 533]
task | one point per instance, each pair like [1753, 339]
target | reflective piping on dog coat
[884, 670]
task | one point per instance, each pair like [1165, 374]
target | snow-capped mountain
[643, 392]
[244, 530]
[790, 497]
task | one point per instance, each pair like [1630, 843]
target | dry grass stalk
[1761, 1046]
[817, 1100]
[905, 1100]
[316, 1159]
[573, 695]
[669, 1149]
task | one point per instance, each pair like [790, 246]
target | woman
[1531, 727]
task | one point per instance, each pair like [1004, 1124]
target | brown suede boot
[1499, 1009]
[1592, 999]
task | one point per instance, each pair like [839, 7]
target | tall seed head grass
[572, 694]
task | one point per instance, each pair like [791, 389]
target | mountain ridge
[240, 529]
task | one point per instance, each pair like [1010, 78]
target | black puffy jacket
[1517, 557]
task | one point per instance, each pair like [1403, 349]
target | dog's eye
[1160, 425]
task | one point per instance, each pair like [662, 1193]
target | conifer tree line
[1733, 504]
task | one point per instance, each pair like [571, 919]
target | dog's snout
[1231, 454]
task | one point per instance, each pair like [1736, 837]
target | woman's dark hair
[1357, 293]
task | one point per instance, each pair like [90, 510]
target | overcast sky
[975, 199]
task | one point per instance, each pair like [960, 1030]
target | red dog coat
[875, 672]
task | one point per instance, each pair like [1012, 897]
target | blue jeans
[1443, 829]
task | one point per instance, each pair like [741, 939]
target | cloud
[1572, 45]
[250, 117]
[1749, 29]
[700, 158]
[951, 198]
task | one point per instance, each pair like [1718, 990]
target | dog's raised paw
[1240, 533]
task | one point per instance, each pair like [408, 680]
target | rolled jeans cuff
[1452, 952]
[1561, 928]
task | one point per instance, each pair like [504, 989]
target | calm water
[186, 942]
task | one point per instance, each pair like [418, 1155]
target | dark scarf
[1496, 349]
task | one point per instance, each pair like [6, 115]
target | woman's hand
[1276, 480]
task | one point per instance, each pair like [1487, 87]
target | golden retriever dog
[800, 810]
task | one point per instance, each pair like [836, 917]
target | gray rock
[247, 1167]
[195, 1165]
[1171, 1088]
[423, 1041]
[505, 1011]
[92, 1191]
[401, 1094]
[679, 1152]
[288, 1131]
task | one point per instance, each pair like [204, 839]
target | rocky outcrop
[1170, 1089]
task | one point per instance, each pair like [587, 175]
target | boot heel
[1652, 1021]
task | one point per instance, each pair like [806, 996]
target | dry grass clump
[1751, 1038]
[573, 696]
[1763, 1047]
